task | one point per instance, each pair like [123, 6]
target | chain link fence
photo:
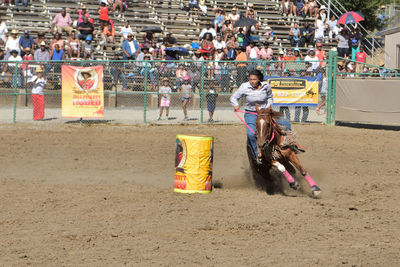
[137, 91]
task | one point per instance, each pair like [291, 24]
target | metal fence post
[145, 94]
[333, 115]
[330, 82]
[202, 92]
[15, 83]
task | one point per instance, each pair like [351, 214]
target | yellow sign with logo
[193, 164]
[82, 92]
[294, 91]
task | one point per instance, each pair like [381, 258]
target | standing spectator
[343, 43]
[332, 27]
[103, 18]
[360, 58]
[165, 92]
[117, 72]
[355, 38]
[3, 32]
[26, 69]
[225, 73]
[241, 66]
[74, 46]
[320, 53]
[307, 34]
[87, 48]
[209, 29]
[180, 74]
[321, 14]
[26, 41]
[85, 29]
[211, 98]
[125, 30]
[294, 35]
[62, 22]
[323, 90]
[39, 83]
[57, 40]
[207, 45]
[266, 53]
[130, 48]
[185, 95]
[12, 43]
[319, 31]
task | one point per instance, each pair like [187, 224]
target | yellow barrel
[193, 164]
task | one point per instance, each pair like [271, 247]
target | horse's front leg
[292, 157]
[292, 183]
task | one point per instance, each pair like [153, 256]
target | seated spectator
[298, 8]
[319, 31]
[231, 46]
[108, 34]
[208, 29]
[252, 14]
[10, 68]
[121, 6]
[286, 7]
[130, 48]
[83, 13]
[41, 38]
[311, 8]
[41, 53]
[23, 2]
[218, 20]
[343, 43]
[12, 44]
[26, 41]
[294, 8]
[63, 22]
[57, 53]
[74, 46]
[125, 30]
[234, 16]
[144, 52]
[220, 44]
[203, 6]
[85, 29]
[294, 35]
[88, 48]
[332, 27]
[227, 29]
[290, 56]
[207, 45]
[155, 50]
[57, 40]
[307, 35]
[193, 5]
[266, 53]
[169, 41]
[252, 51]
[147, 39]
[104, 17]
[117, 72]
[3, 32]
[298, 55]
[26, 68]
[312, 59]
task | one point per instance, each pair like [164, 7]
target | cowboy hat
[14, 31]
[165, 79]
[322, 7]
[38, 69]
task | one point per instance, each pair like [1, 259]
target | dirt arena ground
[101, 195]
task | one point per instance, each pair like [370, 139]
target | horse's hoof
[316, 191]
[295, 185]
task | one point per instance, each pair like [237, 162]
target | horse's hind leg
[293, 184]
[296, 162]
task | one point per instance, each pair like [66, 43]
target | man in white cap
[42, 53]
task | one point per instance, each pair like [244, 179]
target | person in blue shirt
[26, 41]
[130, 48]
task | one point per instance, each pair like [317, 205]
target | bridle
[271, 132]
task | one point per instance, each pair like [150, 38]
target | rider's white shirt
[262, 97]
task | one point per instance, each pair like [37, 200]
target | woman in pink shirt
[266, 52]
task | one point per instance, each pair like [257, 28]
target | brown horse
[277, 148]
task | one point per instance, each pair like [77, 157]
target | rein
[248, 127]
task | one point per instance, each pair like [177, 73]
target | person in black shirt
[307, 35]
[169, 40]
[85, 29]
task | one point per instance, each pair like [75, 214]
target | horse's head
[266, 128]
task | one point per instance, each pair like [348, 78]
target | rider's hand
[236, 108]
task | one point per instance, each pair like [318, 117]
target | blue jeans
[24, 2]
[250, 119]
[297, 112]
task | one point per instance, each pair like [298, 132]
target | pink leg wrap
[310, 180]
[288, 177]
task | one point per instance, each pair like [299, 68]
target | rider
[257, 92]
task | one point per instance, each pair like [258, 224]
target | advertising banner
[296, 91]
[82, 92]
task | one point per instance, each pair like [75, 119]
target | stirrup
[259, 160]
